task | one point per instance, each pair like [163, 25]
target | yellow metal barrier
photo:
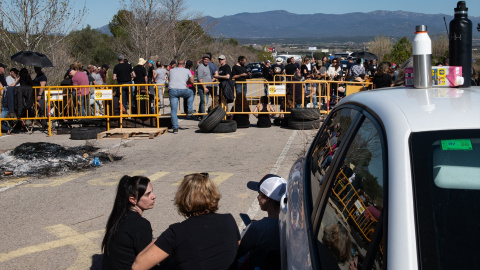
[119, 102]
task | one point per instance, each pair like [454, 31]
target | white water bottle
[422, 58]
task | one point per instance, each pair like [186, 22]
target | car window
[354, 205]
[447, 197]
[325, 146]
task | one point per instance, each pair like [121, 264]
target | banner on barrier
[277, 90]
[54, 95]
[103, 94]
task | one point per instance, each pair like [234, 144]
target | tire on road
[225, 126]
[305, 114]
[211, 120]
[84, 133]
[304, 125]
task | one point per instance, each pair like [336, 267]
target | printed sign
[54, 95]
[359, 206]
[103, 94]
[460, 144]
[277, 90]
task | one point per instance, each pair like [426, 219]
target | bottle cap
[461, 7]
[421, 28]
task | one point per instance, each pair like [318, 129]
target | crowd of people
[204, 240]
[228, 85]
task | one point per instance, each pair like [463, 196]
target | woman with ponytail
[127, 232]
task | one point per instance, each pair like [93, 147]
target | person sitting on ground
[205, 240]
[263, 106]
[241, 105]
[127, 232]
[283, 119]
[382, 79]
[261, 240]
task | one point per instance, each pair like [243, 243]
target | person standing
[122, 73]
[103, 73]
[40, 81]
[178, 78]
[150, 70]
[267, 75]
[290, 68]
[159, 78]
[204, 75]
[278, 69]
[240, 75]
[224, 75]
[141, 98]
[79, 77]
[357, 69]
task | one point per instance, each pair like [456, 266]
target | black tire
[308, 114]
[84, 133]
[304, 125]
[211, 120]
[225, 126]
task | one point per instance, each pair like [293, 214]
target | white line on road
[254, 207]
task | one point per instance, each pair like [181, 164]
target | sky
[101, 11]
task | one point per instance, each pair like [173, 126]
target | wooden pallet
[131, 133]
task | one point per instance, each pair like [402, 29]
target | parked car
[390, 181]
[256, 69]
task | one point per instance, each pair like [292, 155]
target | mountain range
[283, 24]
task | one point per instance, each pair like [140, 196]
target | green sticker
[461, 144]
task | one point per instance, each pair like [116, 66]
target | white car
[391, 181]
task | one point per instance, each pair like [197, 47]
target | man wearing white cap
[261, 241]
[278, 68]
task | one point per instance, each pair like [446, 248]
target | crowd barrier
[48, 105]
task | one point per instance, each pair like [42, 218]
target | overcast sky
[101, 11]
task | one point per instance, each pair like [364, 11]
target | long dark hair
[134, 186]
[25, 79]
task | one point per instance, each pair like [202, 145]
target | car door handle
[283, 203]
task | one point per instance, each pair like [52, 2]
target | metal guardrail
[60, 103]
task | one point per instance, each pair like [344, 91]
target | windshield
[446, 175]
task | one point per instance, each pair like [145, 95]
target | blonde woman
[205, 240]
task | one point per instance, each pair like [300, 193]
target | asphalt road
[58, 222]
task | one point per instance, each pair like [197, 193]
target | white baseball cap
[273, 186]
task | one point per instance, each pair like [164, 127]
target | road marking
[116, 176]
[254, 207]
[158, 175]
[57, 181]
[83, 244]
[219, 178]
[12, 183]
[233, 135]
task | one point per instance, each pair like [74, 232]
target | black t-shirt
[304, 71]
[204, 242]
[224, 70]
[382, 81]
[278, 68]
[124, 72]
[140, 73]
[267, 73]
[134, 233]
[236, 70]
[39, 78]
[150, 74]
[290, 69]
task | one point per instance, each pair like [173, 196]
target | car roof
[423, 109]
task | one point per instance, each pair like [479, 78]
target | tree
[402, 50]
[380, 46]
[264, 54]
[39, 25]
[439, 48]
[32, 21]
[91, 46]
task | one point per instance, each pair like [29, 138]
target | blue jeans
[126, 90]
[4, 114]
[203, 97]
[84, 105]
[174, 95]
[239, 87]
